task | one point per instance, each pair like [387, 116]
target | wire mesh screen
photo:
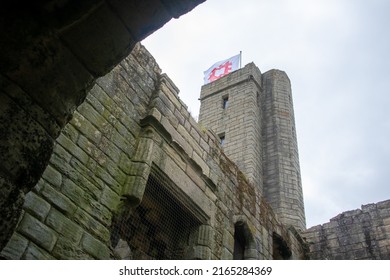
[159, 228]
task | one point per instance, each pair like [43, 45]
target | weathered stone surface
[64, 226]
[108, 182]
[15, 247]
[36, 206]
[122, 250]
[94, 226]
[356, 234]
[38, 232]
[34, 252]
[58, 200]
[51, 59]
[202, 253]
[69, 250]
[95, 248]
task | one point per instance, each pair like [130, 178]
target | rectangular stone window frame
[146, 233]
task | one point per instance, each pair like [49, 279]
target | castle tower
[230, 106]
[252, 114]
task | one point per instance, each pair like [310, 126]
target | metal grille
[159, 228]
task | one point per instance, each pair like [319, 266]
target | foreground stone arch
[51, 52]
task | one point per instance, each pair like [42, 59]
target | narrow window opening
[222, 139]
[239, 242]
[225, 102]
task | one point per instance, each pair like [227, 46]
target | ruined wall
[131, 137]
[358, 234]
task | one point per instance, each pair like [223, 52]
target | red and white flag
[221, 68]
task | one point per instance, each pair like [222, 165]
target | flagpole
[240, 59]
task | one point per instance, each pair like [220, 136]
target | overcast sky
[336, 53]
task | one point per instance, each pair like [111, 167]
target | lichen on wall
[357, 234]
[132, 125]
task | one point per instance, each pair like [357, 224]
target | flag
[221, 68]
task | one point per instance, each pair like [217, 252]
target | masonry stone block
[86, 128]
[15, 247]
[386, 221]
[226, 254]
[73, 192]
[91, 224]
[202, 253]
[199, 160]
[95, 247]
[181, 119]
[204, 235]
[154, 112]
[73, 149]
[134, 188]
[34, 252]
[36, 206]
[228, 240]
[176, 153]
[38, 232]
[64, 226]
[144, 150]
[93, 116]
[195, 176]
[68, 250]
[109, 198]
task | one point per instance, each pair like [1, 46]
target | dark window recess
[222, 139]
[240, 242]
[281, 251]
[225, 102]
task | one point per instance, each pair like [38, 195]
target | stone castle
[134, 176]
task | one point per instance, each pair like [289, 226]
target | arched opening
[239, 241]
[244, 244]
[281, 251]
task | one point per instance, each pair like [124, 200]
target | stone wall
[51, 53]
[358, 234]
[240, 122]
[258, 128]
[131, 128]
[282, 174]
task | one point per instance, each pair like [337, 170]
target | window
[160, 228]
[222, 139]
[239, 242]
[225, 102]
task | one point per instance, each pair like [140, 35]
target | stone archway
[51, 52]
[244, 242]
